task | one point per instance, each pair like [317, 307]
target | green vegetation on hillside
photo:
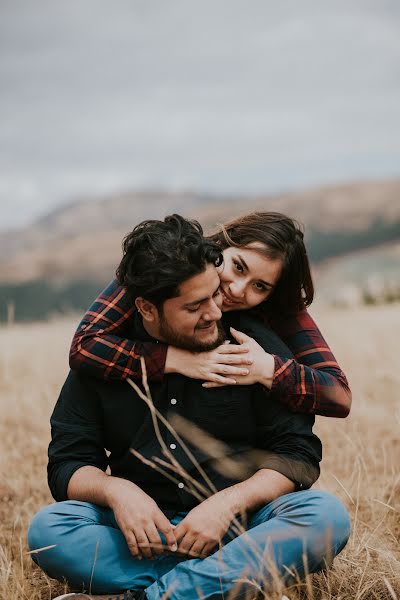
[36, 300]
[327, 244]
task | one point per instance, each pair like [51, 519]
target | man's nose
[214, 312]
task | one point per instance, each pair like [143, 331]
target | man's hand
[139, 518]
[205, 525]
[260, 369]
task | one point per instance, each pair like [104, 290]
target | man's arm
[285, 441]
[256, 491]
[76, 435]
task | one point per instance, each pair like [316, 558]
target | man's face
[192, 319]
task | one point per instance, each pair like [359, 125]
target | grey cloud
[226, 95]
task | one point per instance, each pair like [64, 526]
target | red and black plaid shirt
[313, 382]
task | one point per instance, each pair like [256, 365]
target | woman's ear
[147, 309]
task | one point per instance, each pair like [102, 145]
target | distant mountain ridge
[83, 239]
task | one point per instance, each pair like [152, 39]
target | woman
[265, 270]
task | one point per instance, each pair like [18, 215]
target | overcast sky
[221, 96]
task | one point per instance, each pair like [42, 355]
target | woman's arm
[312, 382]
[298, 366]
[100, 346]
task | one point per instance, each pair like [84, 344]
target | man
[187, 517]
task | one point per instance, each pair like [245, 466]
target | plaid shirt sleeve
[100, 346]
[313, 382]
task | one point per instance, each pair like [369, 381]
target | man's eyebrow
[247, 268]
[202, 299]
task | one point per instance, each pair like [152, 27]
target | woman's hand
[262, 367]
[220, 366]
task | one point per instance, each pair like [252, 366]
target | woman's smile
[227, 300]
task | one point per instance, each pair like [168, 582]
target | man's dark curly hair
[160, 255]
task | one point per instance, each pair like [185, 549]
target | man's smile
[207, 326]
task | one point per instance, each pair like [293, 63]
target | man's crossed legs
[296, 533]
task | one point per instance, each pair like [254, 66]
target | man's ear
[147, 309]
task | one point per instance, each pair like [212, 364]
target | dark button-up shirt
[239, 430]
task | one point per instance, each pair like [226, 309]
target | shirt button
[172, 446]
[181, 485]
[174, 400]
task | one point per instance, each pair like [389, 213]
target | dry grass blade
[41, 549]
[386, 504]
[390, 589]
[93, 567]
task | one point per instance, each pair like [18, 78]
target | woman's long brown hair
[281, 237]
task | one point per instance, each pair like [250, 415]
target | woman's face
[247, 277]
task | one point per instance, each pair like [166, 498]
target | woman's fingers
[241, 356]
[239, 336]
[229, 370]
[234, 359]
[215, 378]
[232, 349]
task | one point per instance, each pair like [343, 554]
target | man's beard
[174, 338]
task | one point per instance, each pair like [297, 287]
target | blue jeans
[298, 532]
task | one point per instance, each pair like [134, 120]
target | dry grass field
[361, 454]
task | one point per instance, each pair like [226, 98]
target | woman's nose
[236, 289]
